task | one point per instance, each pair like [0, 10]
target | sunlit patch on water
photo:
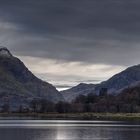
[68, 130]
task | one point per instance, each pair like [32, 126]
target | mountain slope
[116, 83]
[81, 89]
[17, 81]
[121, 80]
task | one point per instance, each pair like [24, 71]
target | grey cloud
[60, 16]
[89, 51]
[67, 81]
[92, 31]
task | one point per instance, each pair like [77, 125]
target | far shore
[72, 116]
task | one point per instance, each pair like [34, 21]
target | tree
[81, 99]
[35, 105]
[91, 98]
[6, 107]
[63, 107]
[103, 92]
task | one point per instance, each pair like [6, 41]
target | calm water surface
[68, 130]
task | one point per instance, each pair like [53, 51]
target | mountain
[81, 89]
[18, 85]
[124, 79]
[115, 84]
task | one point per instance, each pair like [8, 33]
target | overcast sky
[66, 42]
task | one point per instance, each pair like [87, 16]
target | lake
[68, 130]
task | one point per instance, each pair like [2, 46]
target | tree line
[128, 102]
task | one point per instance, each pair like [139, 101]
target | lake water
[68, 130]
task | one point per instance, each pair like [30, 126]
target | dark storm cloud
[97, 31]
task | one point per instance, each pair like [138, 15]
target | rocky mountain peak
[19, 85]
[5, 52]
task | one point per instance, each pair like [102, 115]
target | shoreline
[73, 116]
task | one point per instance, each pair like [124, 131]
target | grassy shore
[75, 116]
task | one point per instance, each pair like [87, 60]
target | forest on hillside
[128, 101]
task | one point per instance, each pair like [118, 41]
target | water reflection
[70, 132]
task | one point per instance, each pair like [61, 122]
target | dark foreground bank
[72, 116]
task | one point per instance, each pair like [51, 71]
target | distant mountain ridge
[18, 85]
[81, 89]
[126, 78]
[121, 80]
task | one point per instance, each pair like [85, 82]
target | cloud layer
[79, 32]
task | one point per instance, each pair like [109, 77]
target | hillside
[18, 85]
[118, 82]
[81, 89]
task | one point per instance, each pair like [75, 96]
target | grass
[76, 116]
